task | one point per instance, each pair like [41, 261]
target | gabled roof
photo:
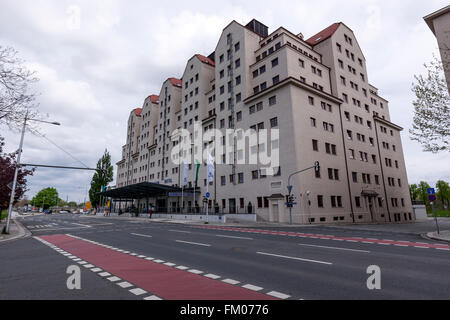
[154, 98]
[137, 112]
[176, 82]
[324, 34]
[205, 60]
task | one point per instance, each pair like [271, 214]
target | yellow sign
[108, 204]
[88, 205]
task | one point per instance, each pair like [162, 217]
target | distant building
[316, 92]
[439, 23]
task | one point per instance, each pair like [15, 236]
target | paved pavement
[145, 259]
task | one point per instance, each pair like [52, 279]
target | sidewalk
[16, 231]
[442, 236]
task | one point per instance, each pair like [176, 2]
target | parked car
[63, 212]
[48, 211]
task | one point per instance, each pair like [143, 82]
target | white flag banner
[210, 168]
[185, 170]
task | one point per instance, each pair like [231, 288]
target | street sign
[430, 191]
[432, 198]
[208, 195]
[10, 185]
[289, 189]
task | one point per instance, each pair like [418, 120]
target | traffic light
[317, 166]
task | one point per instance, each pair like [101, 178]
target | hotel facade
[312, 100]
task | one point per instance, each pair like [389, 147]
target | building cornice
[297, 83]
[388, 123]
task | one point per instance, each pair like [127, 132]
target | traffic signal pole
[289, 203]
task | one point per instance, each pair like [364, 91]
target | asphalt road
[176, 261]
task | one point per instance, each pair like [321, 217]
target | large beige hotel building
[314, 97]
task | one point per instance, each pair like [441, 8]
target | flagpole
[182, 198]
[207, 200]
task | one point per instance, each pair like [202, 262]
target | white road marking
[294, 258]
[194, 271]
[252, 287]
[138, 291]
[400, 245]
[336, 248]
[96, 270]
[124, 284]
[152, 298]
[230, 281]
[421, 247]
[104, 274]
[142, 235]
[114, 279]
[212, 276]
[88, 266]
[169, 264]
[194, 243]
[182, 268]
[82, 225]
[180, 231]
[278, 295]
[149, 258]
[159, 261]
[443, 248]
[134, 254]
[82, 262]
[231, 237]
[141, 256]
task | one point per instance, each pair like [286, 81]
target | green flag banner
[198, 169]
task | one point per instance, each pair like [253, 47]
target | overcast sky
[98, 60]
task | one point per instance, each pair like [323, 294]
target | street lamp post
[13, 191]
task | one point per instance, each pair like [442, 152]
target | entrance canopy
[140, 191]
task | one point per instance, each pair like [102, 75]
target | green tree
[102, 177]
[45, 198]
[431, 123]
[443, 192]
[414, 191]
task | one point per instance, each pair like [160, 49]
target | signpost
[432, 198]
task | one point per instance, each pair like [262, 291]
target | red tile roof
[205, 60]
[324, 34]
[176, 82]
[137, 112]
[154, 98]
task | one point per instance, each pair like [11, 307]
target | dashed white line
[104, 274]
[182, 268]
[336, 248]
[124, 284]
[169, 264]
[96, 270]
[252, 287]
[138, 291]
[180, 231]
[195, 271]
[294, 258]
[152, 298]
[88, 266]
[212, 276]
[279, 295]
[231, 281]
[194, 243]
[232, 237]
[114, 279]
[158, 261]
[142, 235]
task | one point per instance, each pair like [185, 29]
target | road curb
[433, 237]
[23, 232]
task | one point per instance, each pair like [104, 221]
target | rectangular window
[241, 178]
[313, 122]
[276, 79]
[311, 100]
[272, 101]
[274, 62]
[358, 202]
[315, 145]
[320, 201]
[274, 122]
